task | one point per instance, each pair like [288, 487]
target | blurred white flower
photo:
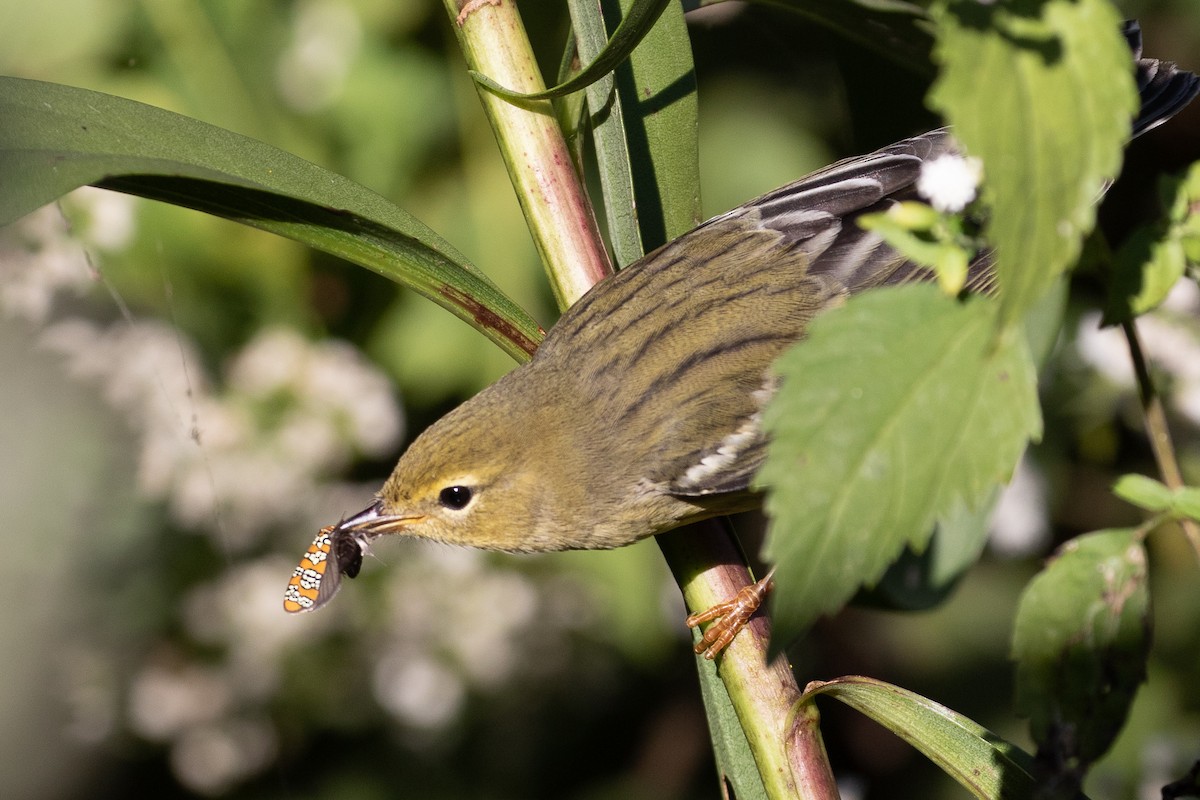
[1104, 350]
[40, 257]
[327, 383]
[106, 220]
[949, 182]
[417, 689]
[486, 620]
[1170, 346]
[163, 701]
[211, 759]
[147, 369]
[251, 457]
[1020, 524]
[1183, 299]
[326, 37]
[44, 254]
[1170, 339]
[269, 364]
[241, 611]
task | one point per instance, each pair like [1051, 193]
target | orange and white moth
[334, 553]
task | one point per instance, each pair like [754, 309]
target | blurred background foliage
[189, 400]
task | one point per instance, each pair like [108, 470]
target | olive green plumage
[640, 412]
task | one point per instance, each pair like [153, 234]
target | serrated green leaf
[57, 138]
[1144, 492]
[1080, 642]
[922, 580]
[982, 762]
[1043, 93]
[869, 450]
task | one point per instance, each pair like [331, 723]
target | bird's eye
[455, 497]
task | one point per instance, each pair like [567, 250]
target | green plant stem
[790, 753]
[1156, 427]
[707, 563]
[554, 202]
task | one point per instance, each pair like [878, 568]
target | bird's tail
[1165, 89]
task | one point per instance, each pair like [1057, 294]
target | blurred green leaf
[58, 138]
[1080, 642]
[982, 762]
[1144, 492]
[870, 450]
[920, 233]
[639, 18]
[1043, 93]
[1154, 257]
[1187, 502]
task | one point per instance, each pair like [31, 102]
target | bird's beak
[372, 522]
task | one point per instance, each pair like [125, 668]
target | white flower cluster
[40, 257]
[213, 745]
[949, 182]
[256, 452]
[464, 624]
[326, 38]
[254, 455]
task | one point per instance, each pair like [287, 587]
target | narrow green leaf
[870, 450]
[607, 121]
[645, 130]
[639, 19]
[58, 138]
[1043, 93]
[658, 94]
[735, 761]
[982, 762]
[1144, 492]
[1080, 642]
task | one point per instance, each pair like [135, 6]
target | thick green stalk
[784, 737]
[556, 207]
[705, 561]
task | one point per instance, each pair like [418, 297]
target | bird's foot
[730, 617]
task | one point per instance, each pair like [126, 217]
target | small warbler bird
[641, 410]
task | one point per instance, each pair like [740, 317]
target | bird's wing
[783, 258]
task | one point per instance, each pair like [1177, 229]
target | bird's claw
[730, 616]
